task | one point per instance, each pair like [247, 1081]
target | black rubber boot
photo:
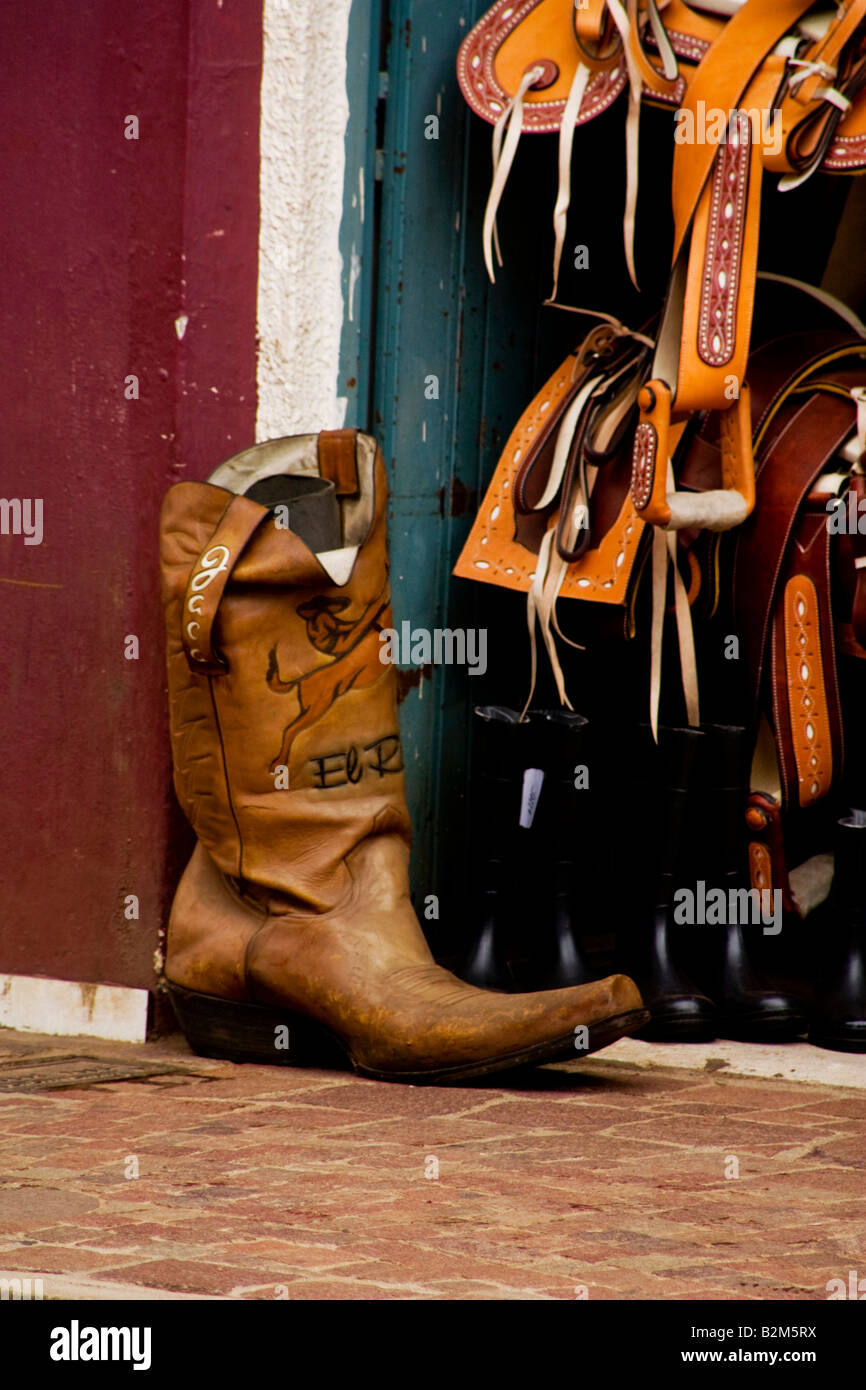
[503, 751]
[750, 1007]
[654, 941]
[561, 834]
[839, 1016]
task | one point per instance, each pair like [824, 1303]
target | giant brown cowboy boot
[292, 927]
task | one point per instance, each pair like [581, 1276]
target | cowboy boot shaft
[503, 749]
[729, 957]
[664, 780]
[654, 944]
[564, 814]
[298, 742]
[724, 778]
[562, 830]
[839, 1015]
[850, 860]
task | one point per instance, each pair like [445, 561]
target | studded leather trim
[807, 696]
[488, 99]
[847, 152]
[760, 866]
[643, 466]
[717, 319]
[476, 73]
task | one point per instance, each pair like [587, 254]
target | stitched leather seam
[229, 798]
[807, 696]
[722, 261]
[643, 466]
[794, 423]
[848, 152]
[771, 410]
[484, 93]
[760, 865]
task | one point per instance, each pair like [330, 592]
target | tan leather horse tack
[775, 84]
[550, 65]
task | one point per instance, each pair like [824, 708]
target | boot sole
[238, 1032]
[832, 1043]
[785, 1029]
[673, 1028]
[599, 1035]
[233, 1031]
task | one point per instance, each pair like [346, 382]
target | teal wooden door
[439, 365]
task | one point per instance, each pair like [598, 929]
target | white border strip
[794, 1061]
[304, 111]
[47, 1287]
[67, 1008]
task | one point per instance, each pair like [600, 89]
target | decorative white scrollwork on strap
[211, 563]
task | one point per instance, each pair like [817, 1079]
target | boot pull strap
[337, 460]
[207, 582]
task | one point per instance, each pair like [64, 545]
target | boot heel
[238, 1032]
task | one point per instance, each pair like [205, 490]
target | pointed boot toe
[763, 1016]
[473, 1033]
[838, 1034]
[681, 1017]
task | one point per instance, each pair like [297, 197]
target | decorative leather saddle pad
[795, 332]
[502, 547]
[513, 37]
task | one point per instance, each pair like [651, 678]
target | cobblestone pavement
[599, 1179]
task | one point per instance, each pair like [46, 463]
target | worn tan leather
[502, 546]
[207, 581]
[299, 897]
[720, 81]
[716, 191]
[805, 697]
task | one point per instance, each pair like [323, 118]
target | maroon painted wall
[106, 242]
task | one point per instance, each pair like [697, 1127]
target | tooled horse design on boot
[356, 647]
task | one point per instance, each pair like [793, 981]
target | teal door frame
[437, 365]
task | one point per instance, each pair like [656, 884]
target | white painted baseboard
[67, 1008]
[792, 1061]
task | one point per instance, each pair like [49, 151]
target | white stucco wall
[300, 306]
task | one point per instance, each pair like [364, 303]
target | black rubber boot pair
[839, 1010]
[692, 946]
[529, 808]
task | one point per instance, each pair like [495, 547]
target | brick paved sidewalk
[261, 1182]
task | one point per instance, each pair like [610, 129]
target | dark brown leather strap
[337, 461]
[531, 477]
[768, 868]
[626, 366]
[776, 366]
[802, 451]
[857, 549]
[207, 582]
[804, 703]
